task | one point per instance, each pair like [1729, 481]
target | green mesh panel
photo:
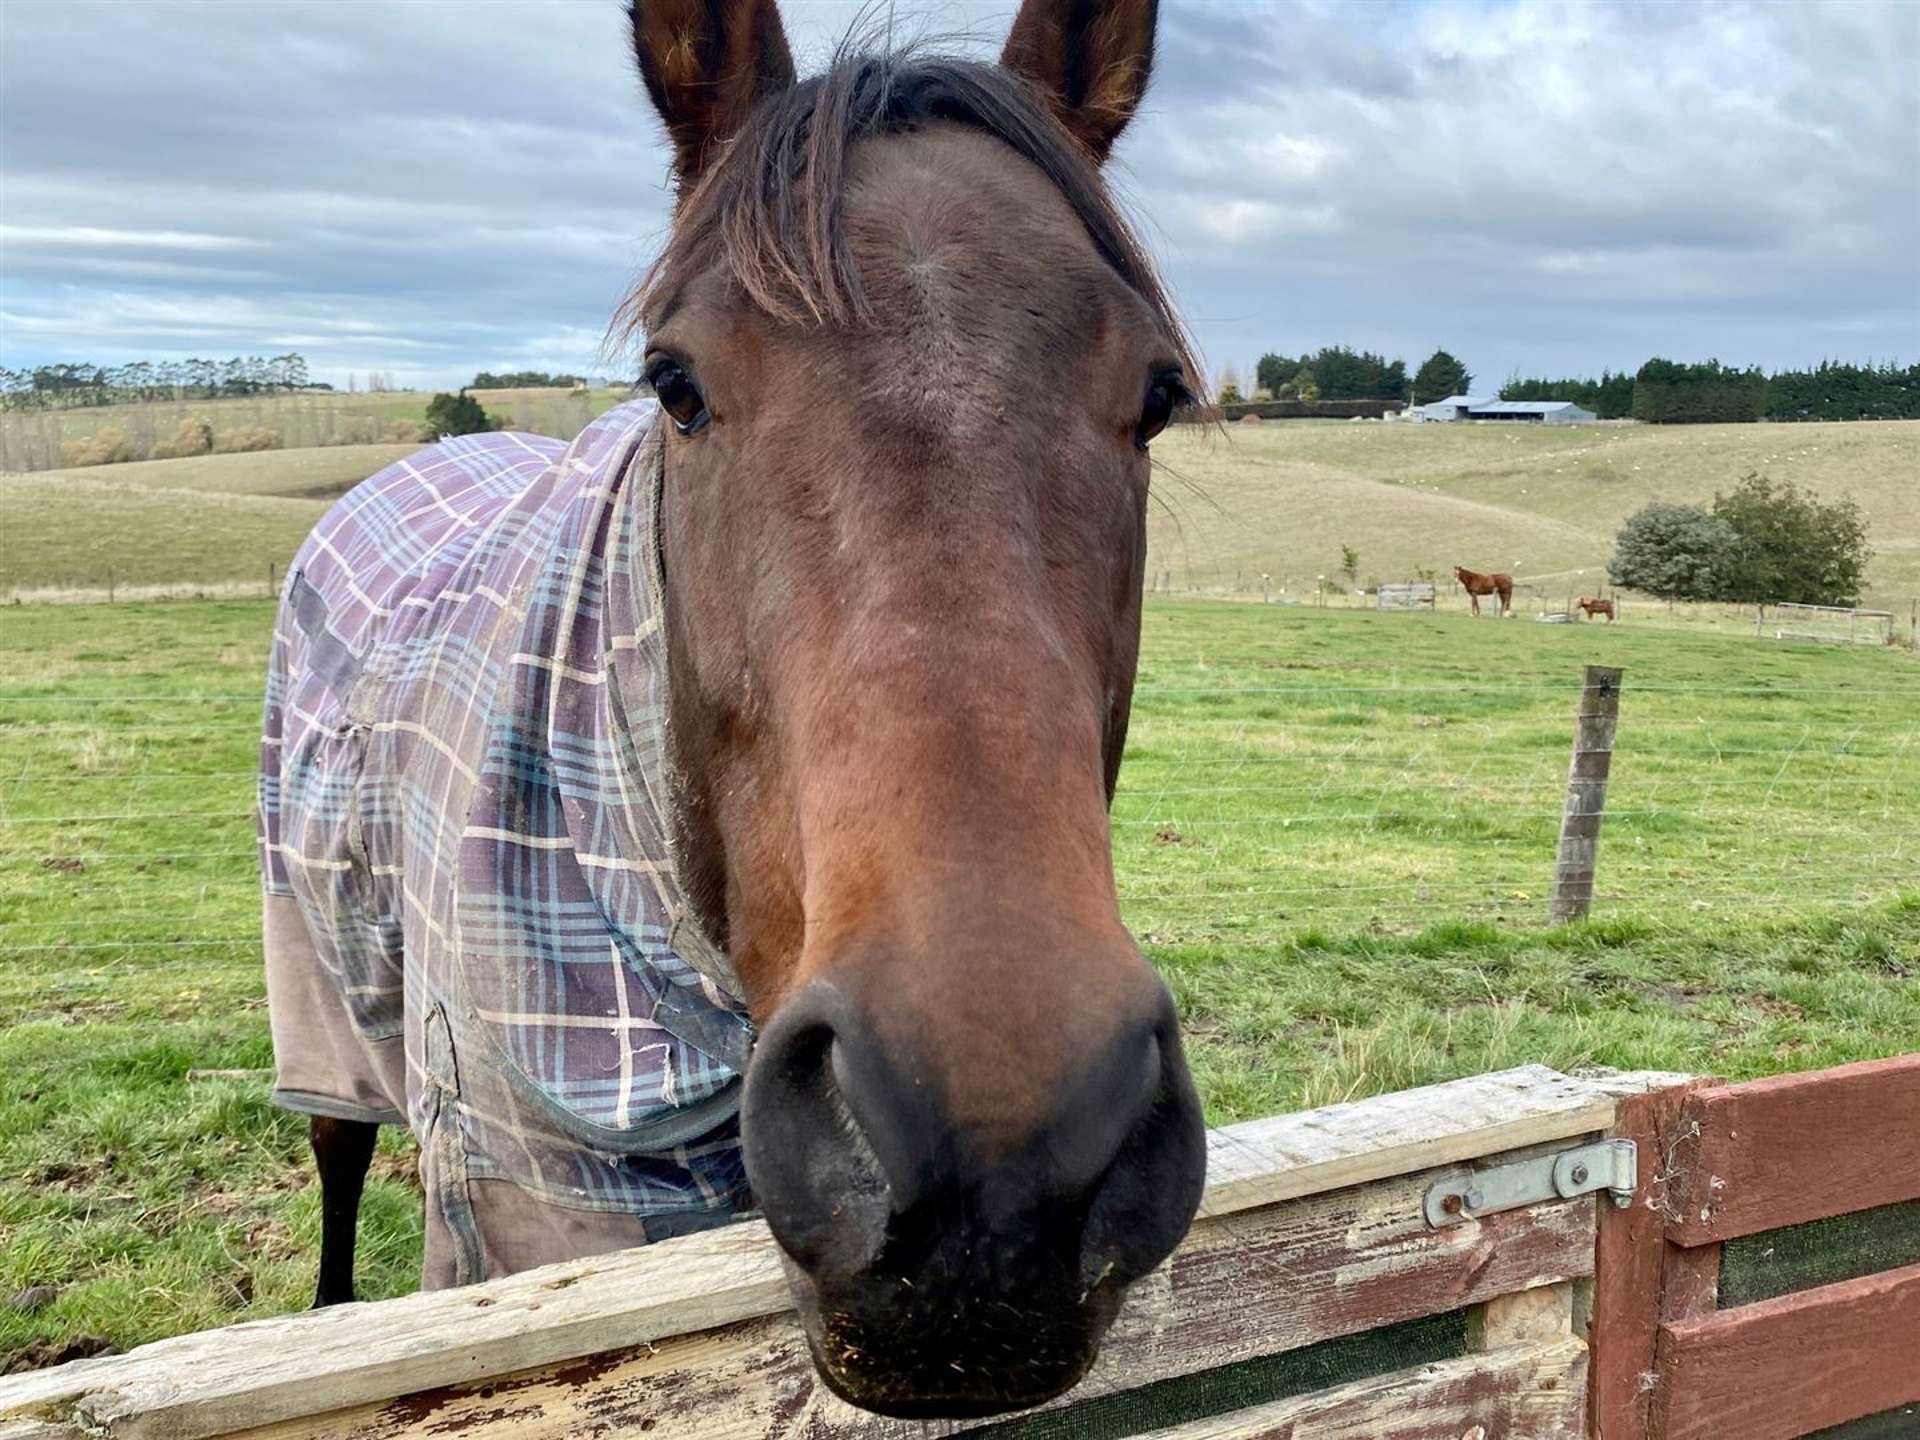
[1901, 1424]
[1821, 1252]
[1248, 1382]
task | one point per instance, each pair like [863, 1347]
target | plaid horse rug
[472, 921]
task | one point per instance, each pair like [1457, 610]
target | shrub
[106, 446]
[190, 437]
[1678, 552]
[245, 437]
[456, 415]
[1790, 545]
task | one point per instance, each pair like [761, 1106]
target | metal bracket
[1610, 1165]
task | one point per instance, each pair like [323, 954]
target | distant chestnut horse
[714, 816]
[1477, 585]
[1594, 606]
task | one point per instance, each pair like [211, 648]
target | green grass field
[1334, 835]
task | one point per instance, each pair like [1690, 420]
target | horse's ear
[705, 63]
[1089, 58]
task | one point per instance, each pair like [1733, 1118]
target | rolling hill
[1231, 504]
[1543, 503]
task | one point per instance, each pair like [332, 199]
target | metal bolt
[1579, 1175]
[1622, 1200]
[1475, 1199]
[1451, 1204]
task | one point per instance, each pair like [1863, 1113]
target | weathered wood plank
[1802, 1147]
[1782, 1368]
[1633, 1263]
[1252, 1284]
[1318, 1150]
[334, 1359]
[1528, 1393]
[37, 1430]
[316, 1361]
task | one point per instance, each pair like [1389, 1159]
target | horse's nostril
[814, 1171]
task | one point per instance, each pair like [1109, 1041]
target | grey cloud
[429, 188]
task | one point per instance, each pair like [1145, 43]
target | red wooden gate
[1746, 1181]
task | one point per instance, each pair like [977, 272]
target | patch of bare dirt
[45, 1354]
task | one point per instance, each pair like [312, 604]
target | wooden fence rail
[1569, 1317]
[1312, 1228]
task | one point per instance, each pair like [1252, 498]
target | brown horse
[1476, 585]
[1594, 606]
[910, 360]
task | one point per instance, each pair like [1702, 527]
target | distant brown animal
[1595, 607]
[1477, 585]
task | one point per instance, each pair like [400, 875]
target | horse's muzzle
[935, 1279]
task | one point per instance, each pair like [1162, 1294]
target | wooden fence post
[1594, 724]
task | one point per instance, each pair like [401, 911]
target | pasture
[1542, 503]
[1334, 835]
[1279, 499]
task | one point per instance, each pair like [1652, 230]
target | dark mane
[768, 209]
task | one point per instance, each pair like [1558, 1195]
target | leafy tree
[1790, 545]
[1302, 387]
[1440, 376]
[1678, 552]
[1665, 392]
[457, 415]
[1338, 373]
[1834, 391]
[1350, 564]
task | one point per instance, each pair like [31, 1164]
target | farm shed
[1454, 407]
[1533, 412]
[1536, 412]
[1518, 1256]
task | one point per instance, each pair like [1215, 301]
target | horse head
[913, 359]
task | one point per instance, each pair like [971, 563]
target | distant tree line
[1666, 392]
[1663, 392]
[1660, 392]
[1333, 373]
[522, 380]
[68, 386]
[1845, 392]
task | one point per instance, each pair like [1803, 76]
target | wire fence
[1245, 812]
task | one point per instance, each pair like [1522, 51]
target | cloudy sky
[432, 188]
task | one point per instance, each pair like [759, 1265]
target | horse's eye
[1165, 394]
[675, 390]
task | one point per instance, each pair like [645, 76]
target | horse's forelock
[769, 210]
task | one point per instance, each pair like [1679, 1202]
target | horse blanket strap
[463, 787]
